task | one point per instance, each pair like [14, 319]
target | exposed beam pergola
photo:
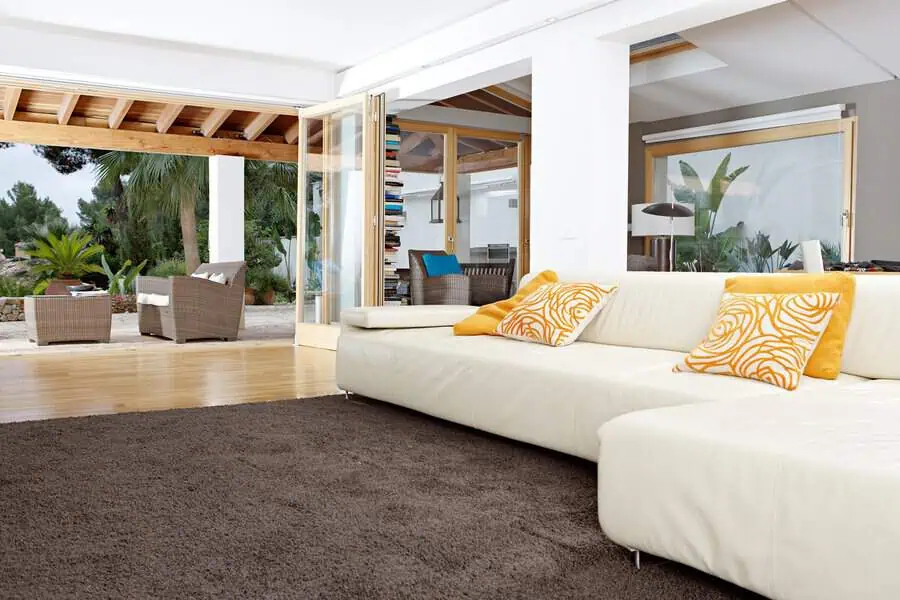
[36, 112]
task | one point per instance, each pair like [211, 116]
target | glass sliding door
[339, 180]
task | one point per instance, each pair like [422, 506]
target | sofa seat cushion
[551, 397]
[404, 317]
[794, 498]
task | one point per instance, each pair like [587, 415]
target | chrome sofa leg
[346, 395]
[636, 558]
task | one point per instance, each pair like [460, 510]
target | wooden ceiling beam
[488, 103]
[66, 108]
[168, 116]
[11, 102]
[293, 133]
[258, 125]
[103, 138]
[661, 51]
[214, 121]
[119, 111]
[504, 94]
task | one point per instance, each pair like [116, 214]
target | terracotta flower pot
[267, 297]
[249, 296]
[59, 287]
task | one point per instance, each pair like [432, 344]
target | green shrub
[15, 287]
[167, 268]
[262, 279]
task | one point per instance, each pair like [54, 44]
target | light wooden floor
[46, 386]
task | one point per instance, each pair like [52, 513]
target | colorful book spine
[394, 211]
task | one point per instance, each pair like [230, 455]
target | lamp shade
[668, 209]
[644, 223]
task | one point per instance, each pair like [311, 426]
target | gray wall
[878, 176]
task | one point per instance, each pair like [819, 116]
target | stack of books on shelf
[394, 212]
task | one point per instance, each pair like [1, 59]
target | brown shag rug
[321, 498]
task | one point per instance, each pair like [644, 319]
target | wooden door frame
[451, 134]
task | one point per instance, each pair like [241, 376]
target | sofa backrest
[667, 311]
[872, 348]
[674, 311]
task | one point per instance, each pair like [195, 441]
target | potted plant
[121, 284]
[63, 260]
[266, 283]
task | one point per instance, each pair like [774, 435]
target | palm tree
[162, 182]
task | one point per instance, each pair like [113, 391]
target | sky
[20, 163]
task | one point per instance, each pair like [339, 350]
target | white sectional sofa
[794, 495]
[559, 397]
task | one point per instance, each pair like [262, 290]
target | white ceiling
[778, 52]
[791, 49]
[334, 33]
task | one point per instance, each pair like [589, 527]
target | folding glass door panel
[488, 193]
[339, 181]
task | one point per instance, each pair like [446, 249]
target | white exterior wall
[226, 208]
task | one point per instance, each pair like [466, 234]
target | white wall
[56, 53]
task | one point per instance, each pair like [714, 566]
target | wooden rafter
[503, 94]
[486, 102]
[119, 111]
[317, 136]
[258, 125]
[293, 133]
[167, 117]
[10, 102]
[410, 142]
[66, 108]
[214, 121]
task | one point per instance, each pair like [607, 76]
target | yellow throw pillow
[767, 337]
[556, 314]
[486, 318]
[826, 360]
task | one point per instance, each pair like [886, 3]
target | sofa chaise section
[794, 498]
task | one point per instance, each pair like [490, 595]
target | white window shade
[799, 117]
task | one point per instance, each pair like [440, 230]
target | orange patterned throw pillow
[555, 314]
[767, 337]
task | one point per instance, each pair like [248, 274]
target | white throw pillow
[217, 277]
[153, 299]
[203, 275]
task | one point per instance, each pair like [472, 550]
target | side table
[68, 319]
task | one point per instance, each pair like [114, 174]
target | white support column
[579, 167]
[226, 208]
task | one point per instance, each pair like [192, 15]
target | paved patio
[261, 324]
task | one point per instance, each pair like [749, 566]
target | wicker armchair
[196, 308]
[479, 283]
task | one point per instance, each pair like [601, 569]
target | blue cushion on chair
[441, 264]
